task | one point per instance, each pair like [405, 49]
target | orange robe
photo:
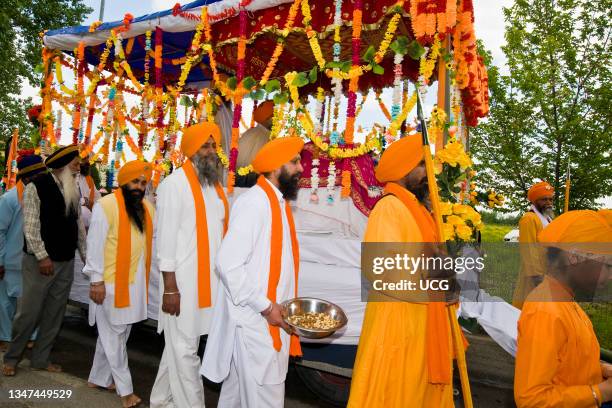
[391, 363]
[558, 354]
[533, 260]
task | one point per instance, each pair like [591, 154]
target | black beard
[207, 168]
[288, 184]
[134, 206]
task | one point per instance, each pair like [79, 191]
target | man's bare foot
[4, 345]
[109, 388]
[30, 345]
[8, 370]
[52, 368]
[131, 400]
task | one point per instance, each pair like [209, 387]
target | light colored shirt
[94, 268]
[243, 263]
[85, 191]
[31, 223]
[11, 241]
[177, 248]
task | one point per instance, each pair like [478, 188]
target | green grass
[495, 232]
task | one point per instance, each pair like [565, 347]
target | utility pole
[101, 10]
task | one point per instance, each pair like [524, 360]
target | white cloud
[160, 5]
[489, 26]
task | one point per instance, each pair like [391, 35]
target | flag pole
[431, 176]
[567, 188]
[435, 205]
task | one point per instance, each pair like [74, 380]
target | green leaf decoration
[248, 82]
[232, 82]
[272, 86]
[312, 75]
[415, 50]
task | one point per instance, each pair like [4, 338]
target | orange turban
[540, 190]
[264, 111]
[584, 230]
[607, 214]
[195, 136]
[277, 152]
[400, 158]
[133, 170]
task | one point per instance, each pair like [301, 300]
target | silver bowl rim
[286, 302]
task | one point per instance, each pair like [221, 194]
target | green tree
[21, 22]
[553, 106]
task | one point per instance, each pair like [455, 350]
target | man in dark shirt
[53, 231]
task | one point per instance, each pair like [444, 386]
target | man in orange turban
[120, 242]
[192, 214]
[533, 263]
[87, 187]
[258, 266]
[404, 357]
[252, 140]
[557, 362]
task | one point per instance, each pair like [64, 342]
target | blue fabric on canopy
[175, 45]
[113, 24]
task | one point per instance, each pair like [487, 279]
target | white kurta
[84, 189]
[94, 268]
[243, 263]
[177, 248]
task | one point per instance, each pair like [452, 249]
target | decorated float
[138, 82]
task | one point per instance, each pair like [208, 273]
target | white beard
[70, 189]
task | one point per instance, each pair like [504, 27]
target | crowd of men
[225, 271]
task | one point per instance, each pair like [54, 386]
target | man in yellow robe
[404, 357]
[557, 363]
[533, 263]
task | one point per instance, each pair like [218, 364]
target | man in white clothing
[120, 239]
[191, 215]
[87, 187]
[258, 264]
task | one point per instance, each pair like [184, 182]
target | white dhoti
[111, 359]
[241, 390]
[178, 383]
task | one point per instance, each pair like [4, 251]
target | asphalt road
[75, 348]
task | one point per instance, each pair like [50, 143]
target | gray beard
[70, 190]
[208, 169]
[548, 213]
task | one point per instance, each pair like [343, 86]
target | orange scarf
[204, 298]
[124, 252]
[92, 186]
[276, 252]
[437, 330]
[20, 186]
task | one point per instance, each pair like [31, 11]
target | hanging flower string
[280, 42]
[237, 102]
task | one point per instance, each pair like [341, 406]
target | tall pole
[101, 10]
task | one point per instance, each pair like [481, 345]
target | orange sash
[92, 186]
[20, 186]
[124, 252]
[276, 252]
[437, 329]
[204, 298]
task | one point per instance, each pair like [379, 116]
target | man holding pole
[404, 356]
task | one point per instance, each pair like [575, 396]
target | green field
[498, 279]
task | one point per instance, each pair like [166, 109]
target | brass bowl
[303, 305]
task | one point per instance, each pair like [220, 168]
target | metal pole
[101, 10]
